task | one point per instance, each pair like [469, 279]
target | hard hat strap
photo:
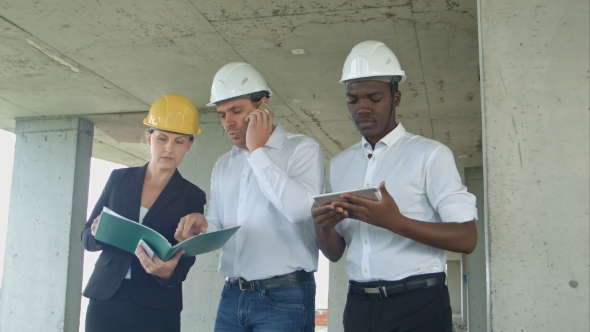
[257, 96]
[393, 90]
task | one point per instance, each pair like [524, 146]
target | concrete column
[202, 288]
[535, 82]
[464, 308]
[477, 291]
[337, 294]
[454, 285]
[42, 281]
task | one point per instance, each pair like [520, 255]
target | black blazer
[122, 194]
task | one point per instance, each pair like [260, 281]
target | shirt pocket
[287, 298]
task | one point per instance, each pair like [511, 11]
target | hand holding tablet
[371, 193]
[147, 249]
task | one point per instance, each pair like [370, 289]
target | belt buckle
[251, 288]
[377, 290]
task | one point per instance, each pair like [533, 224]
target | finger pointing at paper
[190, 225]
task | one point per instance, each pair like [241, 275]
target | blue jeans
[271, 310]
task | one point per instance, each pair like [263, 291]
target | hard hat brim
[198, 131]
[372, 78]
[246, 96]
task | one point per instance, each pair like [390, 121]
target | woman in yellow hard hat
[133, 292]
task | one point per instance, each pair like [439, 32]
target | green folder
[125, 234]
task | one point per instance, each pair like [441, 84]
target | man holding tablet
[396, 245]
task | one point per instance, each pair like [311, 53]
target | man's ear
[265, 99]
[397, 98]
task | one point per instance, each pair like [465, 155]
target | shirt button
[366, 242]
[243, 175]
[368, 184]
[366, 271]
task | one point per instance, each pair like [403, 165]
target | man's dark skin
[370, 107]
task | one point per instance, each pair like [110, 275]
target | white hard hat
[234, 80]
[371, 59]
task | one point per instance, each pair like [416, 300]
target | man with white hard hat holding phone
[265, 184]
[396, 245]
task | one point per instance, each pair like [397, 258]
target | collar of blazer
[168, 193]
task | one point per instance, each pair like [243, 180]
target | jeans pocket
[289, 298]
[224, 289]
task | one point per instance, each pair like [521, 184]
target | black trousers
[420, 310]
[122, 314]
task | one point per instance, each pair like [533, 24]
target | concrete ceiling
[108, 60]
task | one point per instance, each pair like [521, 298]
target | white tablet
[147, 249]
[371, 193]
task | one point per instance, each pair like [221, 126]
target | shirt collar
[389, 139]
[277, 138]
[275, 141]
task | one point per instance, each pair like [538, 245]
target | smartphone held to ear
[265, 107]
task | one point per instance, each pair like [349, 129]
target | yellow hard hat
[174, 113]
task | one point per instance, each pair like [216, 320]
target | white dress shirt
[421, 176]
[269, 193]
[142, 212]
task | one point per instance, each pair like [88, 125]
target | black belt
[374, 291]
[284, 281]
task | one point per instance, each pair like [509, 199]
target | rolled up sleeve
[445, 191]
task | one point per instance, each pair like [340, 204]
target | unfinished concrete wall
[534, 68]
[202, 288]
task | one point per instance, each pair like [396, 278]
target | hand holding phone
[260, 127]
